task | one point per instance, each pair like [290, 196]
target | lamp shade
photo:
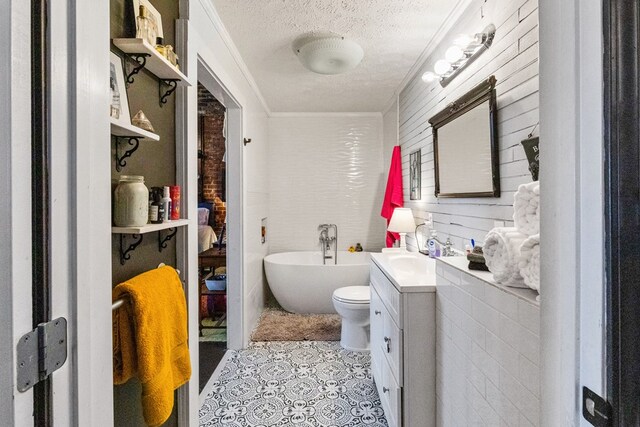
[402, 221]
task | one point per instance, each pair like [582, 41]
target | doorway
[212, 236]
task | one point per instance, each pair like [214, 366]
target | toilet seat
[353, 295]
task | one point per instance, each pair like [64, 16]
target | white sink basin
[412, 266]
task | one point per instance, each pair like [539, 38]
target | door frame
[80, 183]
[235, 206]
[571, 207]
[198, 68]
[622, 187]
[15, 213]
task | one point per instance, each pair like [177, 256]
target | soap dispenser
[433, 246]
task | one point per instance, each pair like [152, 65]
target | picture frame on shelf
[119, 101]
[153, 15]
[415, 172]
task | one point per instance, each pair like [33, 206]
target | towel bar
[119, 303]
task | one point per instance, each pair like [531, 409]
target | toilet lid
[353, 294]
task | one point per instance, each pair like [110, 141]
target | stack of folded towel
[513, 253]
[476, 260]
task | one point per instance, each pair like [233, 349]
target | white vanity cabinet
[403, 334]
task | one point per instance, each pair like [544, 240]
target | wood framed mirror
[465, 145]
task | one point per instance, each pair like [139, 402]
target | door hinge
[41, 352]
[595, 409]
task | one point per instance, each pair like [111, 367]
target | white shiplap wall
[390, 138]
[325, 169]
[513, 59]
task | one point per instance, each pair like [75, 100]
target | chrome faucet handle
[448, 248]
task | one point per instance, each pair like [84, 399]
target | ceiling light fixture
[466, 49]
[328, 54]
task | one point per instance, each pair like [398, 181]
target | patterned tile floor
[298, 383]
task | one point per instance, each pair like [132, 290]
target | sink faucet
[447, 247]
[326, 241]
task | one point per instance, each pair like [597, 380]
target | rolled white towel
[526, 208]
[530, 262]
[502, 254]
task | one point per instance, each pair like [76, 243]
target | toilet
[352, 304]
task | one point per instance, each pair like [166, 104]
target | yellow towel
[150, 339]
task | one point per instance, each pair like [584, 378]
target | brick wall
[213, 147]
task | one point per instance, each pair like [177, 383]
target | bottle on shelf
[166, 204]
[157, 198]
[171, 55]
[160, 47]
[145, 28]
[174, 193]
[155, 215]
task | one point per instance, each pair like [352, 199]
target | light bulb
[454, 54]
[429, 77]
[463, 40]
[442, 67]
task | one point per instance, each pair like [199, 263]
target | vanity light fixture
[466, 49]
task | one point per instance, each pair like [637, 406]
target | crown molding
[212, 13]
[395, 98]
[437, 38]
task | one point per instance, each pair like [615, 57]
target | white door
[78, 253]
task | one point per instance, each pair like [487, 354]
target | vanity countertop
[407, 271]
[461, 263]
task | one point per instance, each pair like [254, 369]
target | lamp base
[403, 241]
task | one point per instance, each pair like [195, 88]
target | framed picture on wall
[119, 101]
[415, 178]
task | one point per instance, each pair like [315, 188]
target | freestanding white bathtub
[302, 284]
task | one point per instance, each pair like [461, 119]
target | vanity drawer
[377, 310]
[390, 397]
[392, 347]
[388, 293]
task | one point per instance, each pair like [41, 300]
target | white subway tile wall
[325, 169]
[487, 354]
[513, 59]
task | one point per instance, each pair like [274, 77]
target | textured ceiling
[393, 34]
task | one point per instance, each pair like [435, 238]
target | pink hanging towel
[393, 194]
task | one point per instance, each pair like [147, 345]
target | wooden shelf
[149, 228]
[132, 131]
[156, 63]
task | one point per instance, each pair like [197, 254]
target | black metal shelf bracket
[125, 254]
[162, 241]
[121, 161]
[140, 60]
[166, 87]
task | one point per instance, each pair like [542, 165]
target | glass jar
[171, 55]
[131, 202]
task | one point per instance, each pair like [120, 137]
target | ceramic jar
[131, 202]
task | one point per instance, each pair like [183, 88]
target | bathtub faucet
[326, 241]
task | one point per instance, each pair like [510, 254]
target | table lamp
[402, 222]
